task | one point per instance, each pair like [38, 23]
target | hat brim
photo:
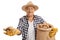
[25, 7]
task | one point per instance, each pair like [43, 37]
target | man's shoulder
[22, 18]
[39, 19]
[36, 16]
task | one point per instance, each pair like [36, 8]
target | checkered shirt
[23, 25]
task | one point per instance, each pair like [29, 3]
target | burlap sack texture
[43, 33]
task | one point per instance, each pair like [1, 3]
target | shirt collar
[33, 18]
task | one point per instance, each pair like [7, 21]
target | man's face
[30, 11]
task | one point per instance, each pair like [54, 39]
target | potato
[45, 26]
[53, 32]
[11, 31]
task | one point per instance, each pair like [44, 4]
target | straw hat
[28, 5]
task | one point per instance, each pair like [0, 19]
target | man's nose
[29, 10]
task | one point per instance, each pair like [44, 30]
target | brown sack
[43, 34]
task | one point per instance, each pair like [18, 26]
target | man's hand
[11, 31]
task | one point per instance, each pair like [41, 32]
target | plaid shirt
[23, 25]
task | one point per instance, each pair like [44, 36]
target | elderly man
[28, 23]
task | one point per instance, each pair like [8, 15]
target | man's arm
[20, 26]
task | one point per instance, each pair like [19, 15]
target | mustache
[29, 12]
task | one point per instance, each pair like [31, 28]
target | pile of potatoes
[11, 31]
[45, 26]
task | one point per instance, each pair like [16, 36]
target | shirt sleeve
[41, 20]
[20, 25]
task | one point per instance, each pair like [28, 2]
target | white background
[10, 12]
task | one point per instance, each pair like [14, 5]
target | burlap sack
[43, 34]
